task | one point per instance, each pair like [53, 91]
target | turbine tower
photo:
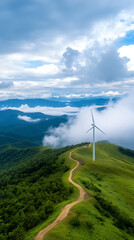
[93, 127]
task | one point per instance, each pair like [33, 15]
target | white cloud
[128, 51]
[73, 52]
[23, 92]
[28, 119]
[15, 66]
[49, 69]
[117, 121]
[103, 94]
[95, 65]
[69, 79]
[113, 29]
[46, 110]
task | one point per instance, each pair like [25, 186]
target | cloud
[48, 69]
[117, 121]
[102, 94]
[97, 64]
[25, 22]
[55, 42]
[111, 67]
[4, 84]
[128, 51]
[28, 119]
[53, 111]
[69, 57]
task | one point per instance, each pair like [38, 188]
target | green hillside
[34, 188]
[31, 187]
[6, 139]
[109, 214]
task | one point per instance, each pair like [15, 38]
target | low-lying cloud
[53, 111]
[28, 119]
[117, 121]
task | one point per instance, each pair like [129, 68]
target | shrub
[74, 221]
[100, 218]
[126, 151]
[90, 186]
[121, 219]
[89, 224]
[125, 223]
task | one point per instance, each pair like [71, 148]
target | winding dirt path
[67, 208]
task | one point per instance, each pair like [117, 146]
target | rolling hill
[110, 213]
[14, 129]
[34, 188]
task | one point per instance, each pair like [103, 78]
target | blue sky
[127, 40]
[66, 48]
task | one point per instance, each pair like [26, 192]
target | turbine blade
[100, 130]
[92, 117]
[89, 130]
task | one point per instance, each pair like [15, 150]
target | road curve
[66, 209]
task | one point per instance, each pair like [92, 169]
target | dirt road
[67, 208]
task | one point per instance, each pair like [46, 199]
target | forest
[30, 188]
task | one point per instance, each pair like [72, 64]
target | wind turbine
[93, 127]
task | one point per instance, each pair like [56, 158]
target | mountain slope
[34, 188]
[110, 213]
[16, 128]
[31, 187]
[66, 210]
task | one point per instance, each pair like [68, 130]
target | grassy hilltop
[110, 213]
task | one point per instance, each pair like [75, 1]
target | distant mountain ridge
[59, 103]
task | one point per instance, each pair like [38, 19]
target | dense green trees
[30, 190]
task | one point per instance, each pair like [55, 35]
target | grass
[110, 181]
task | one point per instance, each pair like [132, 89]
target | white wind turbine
[93, 127]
